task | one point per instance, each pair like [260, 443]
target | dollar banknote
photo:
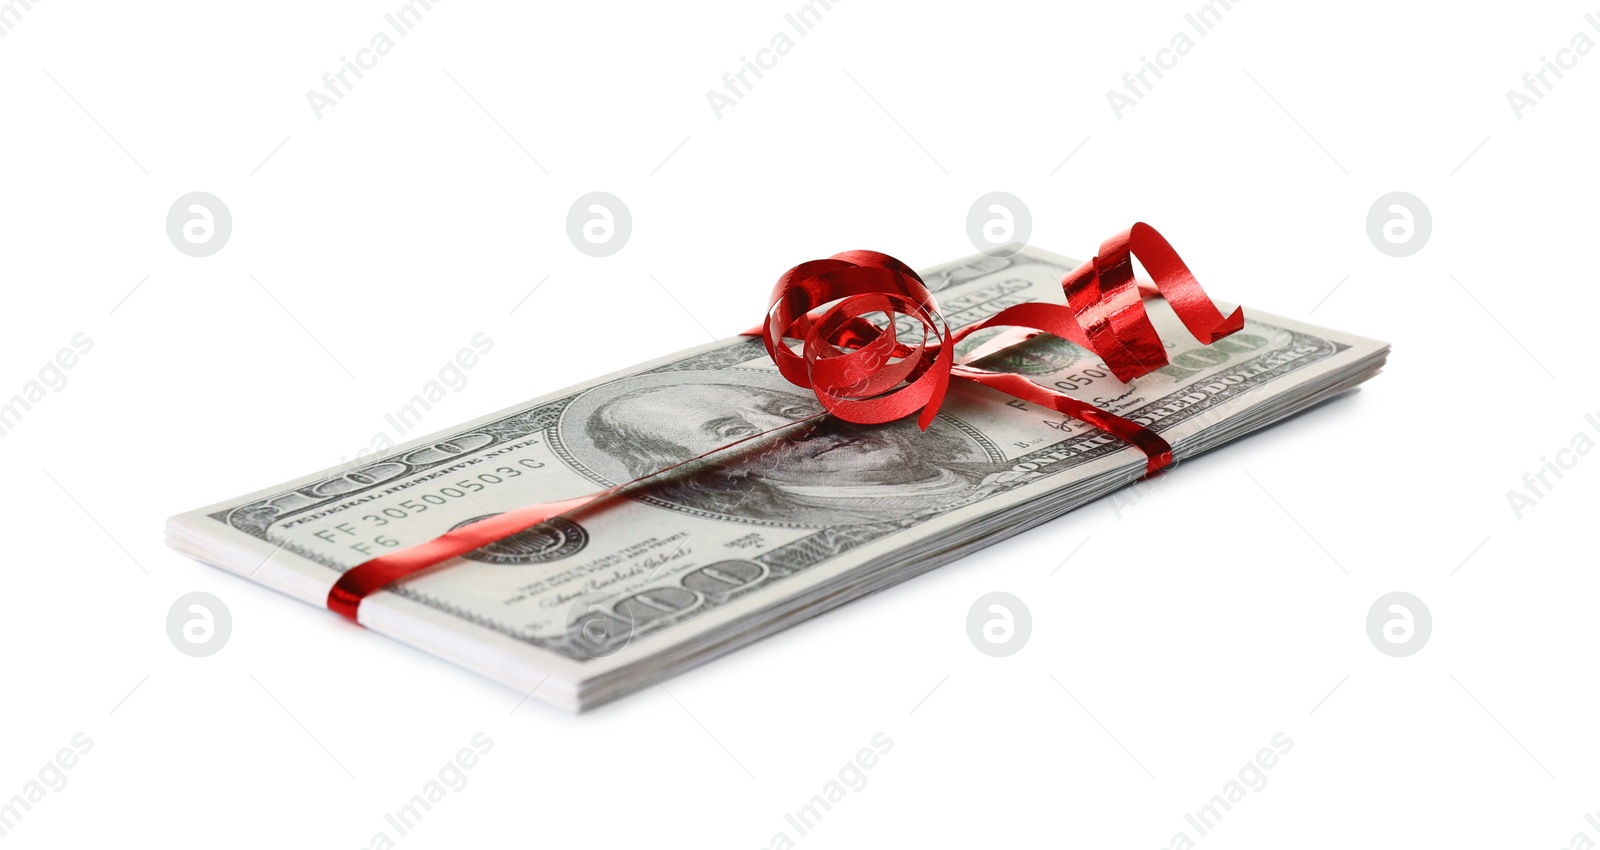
[728, 549]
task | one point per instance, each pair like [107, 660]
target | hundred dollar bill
[589, 606]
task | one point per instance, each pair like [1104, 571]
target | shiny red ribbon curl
[861, 372]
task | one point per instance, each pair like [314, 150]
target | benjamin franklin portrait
[819, 473]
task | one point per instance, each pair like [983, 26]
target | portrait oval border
[568, 438]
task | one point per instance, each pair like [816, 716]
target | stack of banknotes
[726, 550]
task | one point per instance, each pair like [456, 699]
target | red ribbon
[861, 371]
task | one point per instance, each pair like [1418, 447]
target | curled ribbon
[862, 372]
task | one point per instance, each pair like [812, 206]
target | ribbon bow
[862, 372]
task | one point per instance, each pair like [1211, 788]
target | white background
[1226, 606]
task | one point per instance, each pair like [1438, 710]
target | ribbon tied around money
[840, 326]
